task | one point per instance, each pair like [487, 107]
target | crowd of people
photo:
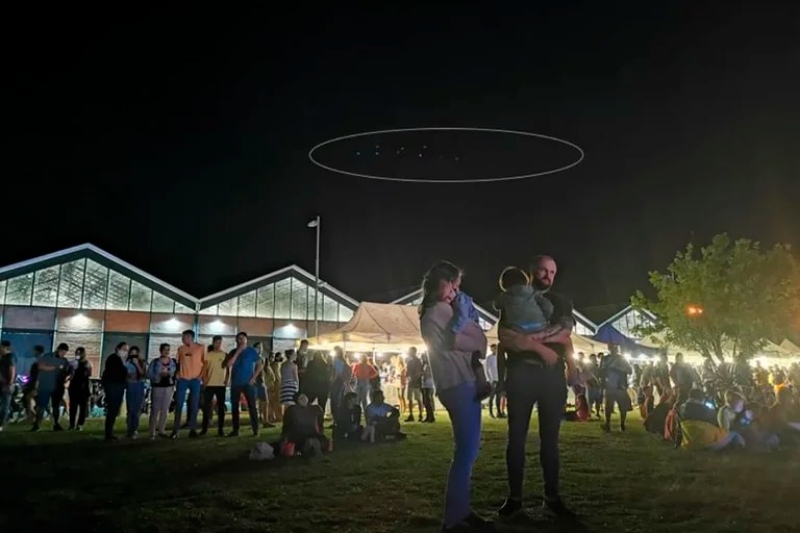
[293, 388]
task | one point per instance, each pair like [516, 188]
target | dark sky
[178, 140]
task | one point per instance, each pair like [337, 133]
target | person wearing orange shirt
[191, 361]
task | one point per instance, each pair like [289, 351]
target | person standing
[114, 377]
[493, 377]
[80, 390]
[161, 373]
[451, 355]
[414, 374]
[134, 391]
[536, 377]
[215, 380]
[52, 368]
[614, 372]
[427, 390]
[191, 360]
[318, 379]
[8, 378]
[245, 367]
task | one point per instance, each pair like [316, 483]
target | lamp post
[317, 224]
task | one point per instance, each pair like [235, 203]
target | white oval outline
[450, 128]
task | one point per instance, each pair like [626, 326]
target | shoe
[606, 428]
[79, 428]
[269, 425]
[193, 434]
[35, 428]
[71, 428]
[220, 433]
[152, 437]
[501, 415]
[57, 427]
[510, 509]
[255, 433]
[473, 522]
[555, 506]
[174, 435]
[233, 434]
[622, 426]
[410, 419]
[111, 438]
[203, 432]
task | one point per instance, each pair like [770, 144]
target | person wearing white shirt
[493, 377]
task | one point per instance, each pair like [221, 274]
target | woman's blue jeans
[465, 416]
[134, 402]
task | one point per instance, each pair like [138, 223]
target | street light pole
[317, 224]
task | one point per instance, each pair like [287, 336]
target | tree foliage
[725, 300]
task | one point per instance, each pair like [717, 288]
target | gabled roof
[625, 311]
[415, 295]
[287, 272]
[584, 320]
[90, 251]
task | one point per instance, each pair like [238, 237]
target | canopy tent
[579, 342]
[376, 327]
[608, 334]
[790, 347]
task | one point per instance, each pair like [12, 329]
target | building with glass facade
[84, 296]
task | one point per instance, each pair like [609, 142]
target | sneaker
[203, 432]
[510, 509]
[79, 428]
[606, 428]
[269, 425]
[410, 419]
[556, 507]
[193, 434]
[622, 426]
[233, 434]
[57, 427]
[152, 436]
[135, 435]
[71, 428]
[174, 435]
[35, 428]
[1, 428]
[473, 522]
[501, 415]
[111, 438]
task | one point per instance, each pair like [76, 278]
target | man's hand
[548, 355]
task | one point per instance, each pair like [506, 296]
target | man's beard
[539, 285]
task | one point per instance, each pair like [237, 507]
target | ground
[630, 482]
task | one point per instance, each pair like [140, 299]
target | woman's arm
[471, 339]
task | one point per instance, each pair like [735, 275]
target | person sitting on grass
[348, 423]
[783, 418]
[698, 428]
[383, 421]
[302, 426]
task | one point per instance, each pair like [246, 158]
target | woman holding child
[453, 336]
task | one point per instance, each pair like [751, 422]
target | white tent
[790, 347]
[376, 327]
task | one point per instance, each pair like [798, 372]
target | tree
[729, 298]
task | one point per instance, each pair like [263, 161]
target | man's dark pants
[209, 394]
[249, 393]
[494, 399]
[529, 383]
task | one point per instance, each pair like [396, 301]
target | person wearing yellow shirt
[191, 360]
[215, 380]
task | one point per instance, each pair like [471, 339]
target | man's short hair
[63, 346]
[242, 333]
[5, 343]
[216, 338]
[189, 332]
[538, 259]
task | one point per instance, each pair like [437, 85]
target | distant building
[87, 297]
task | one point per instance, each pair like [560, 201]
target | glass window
[580, 329]
[299, 300]
[70, 288]
[283, 298]
[182, 309]
[228, 307]
[265, 301]
[485, 326]
[162, 304]
[95, 286]
[119, 291]
[2, 291]
[345, 313]
[19, 290]
[247, 304]
[209, 310]
[330, 310]
[141, 297]
[45, 286]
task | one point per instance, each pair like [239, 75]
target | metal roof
[90, 251]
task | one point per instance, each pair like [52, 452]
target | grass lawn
[629, 482]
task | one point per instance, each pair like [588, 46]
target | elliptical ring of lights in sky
[492, 179]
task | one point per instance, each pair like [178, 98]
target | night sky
[178, 141]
